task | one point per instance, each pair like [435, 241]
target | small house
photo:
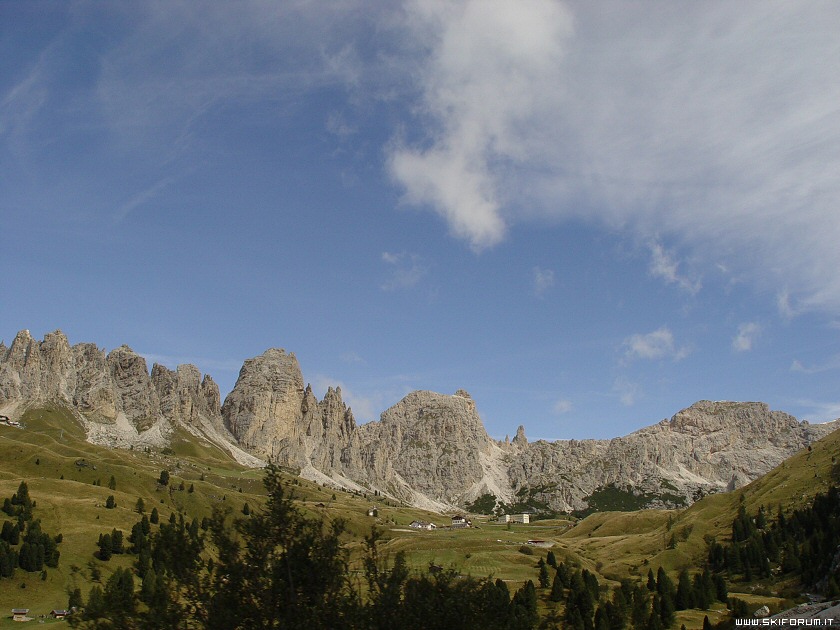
[422, 525]
[59, 613]
[20, 614]
[459, 521]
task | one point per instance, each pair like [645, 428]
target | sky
[589, 215]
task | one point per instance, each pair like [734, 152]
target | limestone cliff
[113, 396]
[437, 445]
[271, 413]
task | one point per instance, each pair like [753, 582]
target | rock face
[112, 395]
[708, 447]
[429, 449]
[271, 413]
[436, 445]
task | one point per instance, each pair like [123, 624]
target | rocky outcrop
[271, 413]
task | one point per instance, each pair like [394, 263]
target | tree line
[801, 543]
[37, 548]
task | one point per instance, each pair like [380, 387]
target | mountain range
[429, 449]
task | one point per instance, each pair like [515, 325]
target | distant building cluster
[515, 518]
[9, 422]
[22, 614]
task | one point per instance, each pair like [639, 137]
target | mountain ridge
[428, 449]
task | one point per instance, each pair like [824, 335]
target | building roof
[19, 611]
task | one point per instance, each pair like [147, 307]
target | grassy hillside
[69, 480]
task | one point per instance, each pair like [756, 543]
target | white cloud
[664, 265]
[822, 411]
[562, 406]
[353, 358]
[542, 280]
[831, 364]
[477, 89]
[627, 391]
[747, 333]
[710, 125]
[405, 270]
[141, 199]
[658, 344]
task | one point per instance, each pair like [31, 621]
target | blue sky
[588, 215]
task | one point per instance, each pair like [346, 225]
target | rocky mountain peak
[752, 418]
[519, 439]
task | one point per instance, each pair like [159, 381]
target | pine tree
[105, 549]
[721, 592]
[543, 576]
[75, 599]
[651, 581]
[556, 594]
[684, 598]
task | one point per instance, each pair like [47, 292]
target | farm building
[20, 614]
[422, 525]
[515, 518]
[459, 521]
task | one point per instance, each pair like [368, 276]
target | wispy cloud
[664, 265]
[831, 364]
[821, 411]
[541, 280]
[405, 270]
[562, 406]
[747, 333]
[656, 124]
[141, 199]
[20, 104]
[627, 391]
[353, 358]
[658, 344]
